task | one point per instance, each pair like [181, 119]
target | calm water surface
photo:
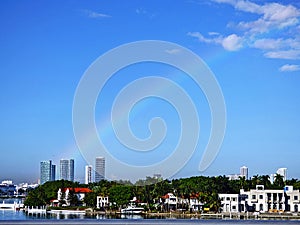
[16, 217]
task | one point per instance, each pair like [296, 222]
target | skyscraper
[47, 171]
[53, 172]
[88, 174]
[244, 172]
[99, 169]
[67, 169]
[283, 173]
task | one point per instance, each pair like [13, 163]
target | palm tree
[279, 182]
[242, 182]
[265, 180]
[254, 181]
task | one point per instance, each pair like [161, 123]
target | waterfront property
[16, 205]
[195, 204]
[169, 201]
[7, 188]
[64, 195]
[262, 200]
[102, 202]
[230, 202]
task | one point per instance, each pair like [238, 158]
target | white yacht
[132, 209]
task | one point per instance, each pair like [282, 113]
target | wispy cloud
[93, 14]
[289, 68]
[231, 42]
[142, 11]
[283, 54]
[280, 18]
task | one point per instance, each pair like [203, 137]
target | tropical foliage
[150, 190]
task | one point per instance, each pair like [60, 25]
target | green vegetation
[150, 190]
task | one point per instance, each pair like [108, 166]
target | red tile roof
[78, 190]
[165, 196]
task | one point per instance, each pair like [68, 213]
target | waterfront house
[102, 202]
[64, 194]
[195, 204]
[262, 200]
[169, 202]
[229, 202]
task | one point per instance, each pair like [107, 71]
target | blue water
[12, 215]
[16, 217]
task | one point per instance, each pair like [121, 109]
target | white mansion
[261, 200]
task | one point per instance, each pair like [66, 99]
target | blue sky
[252, 47]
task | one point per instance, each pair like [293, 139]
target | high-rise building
[67, 169]
[99, 169]
[283, 173]
[244, 172]
[47, 171]
[88, 174]
[53, 172]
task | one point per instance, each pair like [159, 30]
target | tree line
[150, 190]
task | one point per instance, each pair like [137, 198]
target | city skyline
[99, 169]
[47, 171]
[251, 47]
[66, 169]
[47, 174]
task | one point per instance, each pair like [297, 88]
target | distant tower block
[88, 174]
[99, 169]
[244, 172]
[47, 171]
[67, 169]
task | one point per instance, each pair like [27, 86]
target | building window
[227, 199]
[234, 207]
[261, 207]
[253, 196]
[233, 199]
[261, 196]
[295, 197]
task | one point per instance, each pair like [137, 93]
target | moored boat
[131, 209]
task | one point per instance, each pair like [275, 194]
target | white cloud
[201, 38]
[213, 33]
[232, 42]
[289, 68]
[93, 14]
[267, 43]
[279, 12]
[268, 32]
[283, 54]
[277, 44]
[141, 11]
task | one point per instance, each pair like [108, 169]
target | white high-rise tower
[244, 172]
[99, 169]
[88, 174]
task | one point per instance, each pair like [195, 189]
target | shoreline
[222, 216]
